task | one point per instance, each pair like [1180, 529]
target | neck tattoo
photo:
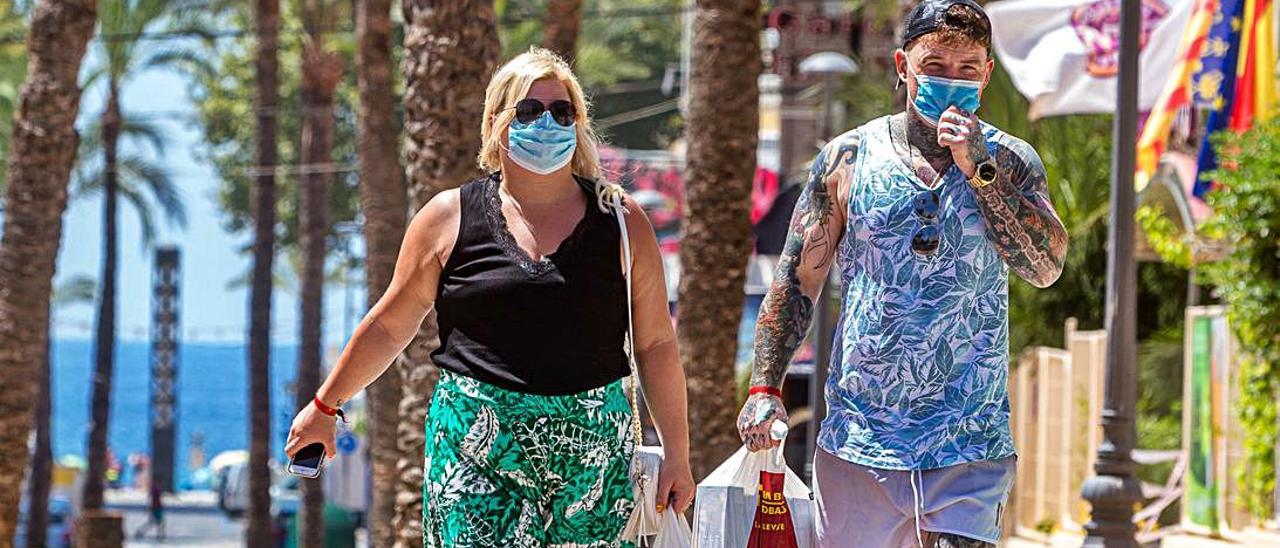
[926, 158]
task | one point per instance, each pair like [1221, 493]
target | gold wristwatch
[984, 174]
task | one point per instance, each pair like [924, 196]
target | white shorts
[860, 506]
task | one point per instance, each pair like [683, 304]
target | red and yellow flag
[1255, 100]
[1177, 92]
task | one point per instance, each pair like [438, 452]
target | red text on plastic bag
[772, 527]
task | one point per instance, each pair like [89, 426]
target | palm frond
[124, 22]
[180, 59]
[138, 172]
[86, 182]
[78, 289]
[95, 75]
[144, 130]
[131, 128]
[143, 208]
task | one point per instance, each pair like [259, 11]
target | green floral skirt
[518, 470]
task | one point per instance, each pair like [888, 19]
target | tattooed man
[923, 213]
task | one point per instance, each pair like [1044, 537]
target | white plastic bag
[725, 507]
[674, 531]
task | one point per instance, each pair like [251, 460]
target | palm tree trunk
[560, 28]
[42, 153]
[104, 342]
[41, 478]
[267, 67]
[385, 205]
[451, 49]
[716, 237]
[321, 73]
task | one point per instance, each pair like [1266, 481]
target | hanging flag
[1177, 91]
[1063, 55]
[1250, 97]
[1255, 86]
[1215, 84]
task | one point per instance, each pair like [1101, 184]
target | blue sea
[212, 400]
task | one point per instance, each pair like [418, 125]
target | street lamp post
[828, 65]
[1113, 490]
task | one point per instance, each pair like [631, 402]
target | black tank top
[549, 327]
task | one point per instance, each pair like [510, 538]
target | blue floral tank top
[920, 360]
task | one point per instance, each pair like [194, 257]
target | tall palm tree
[716, 237]
[560, 27]
[40, 160]
[77, 290]
[385, 205]
[266, 106]
[125, 56]
[321, 73]
[451, 50]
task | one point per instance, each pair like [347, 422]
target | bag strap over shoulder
[613, 194]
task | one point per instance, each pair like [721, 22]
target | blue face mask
[934, 95]
[541, 146]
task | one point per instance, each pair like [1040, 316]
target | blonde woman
[527, 440]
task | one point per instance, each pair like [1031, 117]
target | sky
[209, 311]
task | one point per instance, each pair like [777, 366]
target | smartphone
[307, 461]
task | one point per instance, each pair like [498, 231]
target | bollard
[99, 529]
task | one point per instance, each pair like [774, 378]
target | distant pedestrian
[528, 438]
[156, 519]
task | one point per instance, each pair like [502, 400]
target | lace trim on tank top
[503, 237]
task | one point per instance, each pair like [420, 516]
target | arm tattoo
[787, 312]
[1021, 222]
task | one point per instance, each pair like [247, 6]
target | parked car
[58, 533]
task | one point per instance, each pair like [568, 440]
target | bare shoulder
[637, 219]
[434, 228]
[836, 164]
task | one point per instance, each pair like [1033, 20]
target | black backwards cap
[929, 15]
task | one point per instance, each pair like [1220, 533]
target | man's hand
[757, 418]
[958, 130]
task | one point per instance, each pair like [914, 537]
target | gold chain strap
[613, 194]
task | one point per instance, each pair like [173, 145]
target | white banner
[1063, 54]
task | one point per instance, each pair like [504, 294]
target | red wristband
[775, 392]
[324, 408]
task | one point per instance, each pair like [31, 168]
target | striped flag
[1215, 84]
[1177, 92]
[1247, 75]
[1255, 84]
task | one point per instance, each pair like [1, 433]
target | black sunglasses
[529, 110]
[928, 236]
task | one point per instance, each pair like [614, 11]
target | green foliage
[1160, 398]
[624, 50]
[867, 95]
[1247, 214]
[1164, 236]
[13, 70]
[225, 101]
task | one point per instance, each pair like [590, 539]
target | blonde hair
[510, 84]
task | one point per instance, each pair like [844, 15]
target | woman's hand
[675, 485]
[311, 426]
